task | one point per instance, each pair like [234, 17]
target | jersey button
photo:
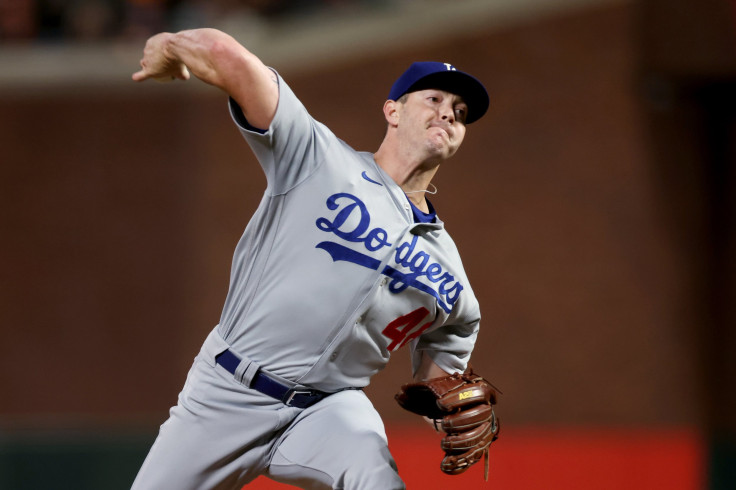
[333, 356]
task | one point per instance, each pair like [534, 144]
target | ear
[391, 112]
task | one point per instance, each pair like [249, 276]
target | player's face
[435, 120]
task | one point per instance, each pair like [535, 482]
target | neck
[410, 175]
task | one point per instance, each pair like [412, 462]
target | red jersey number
[404, 328]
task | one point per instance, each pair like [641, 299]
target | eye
[461, 113]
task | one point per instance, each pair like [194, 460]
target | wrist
[168, 46]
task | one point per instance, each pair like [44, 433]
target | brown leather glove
[462, 404]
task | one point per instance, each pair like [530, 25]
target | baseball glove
[462, 406]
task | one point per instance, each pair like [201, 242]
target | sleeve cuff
[240, 119]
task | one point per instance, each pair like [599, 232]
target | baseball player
[344, 262]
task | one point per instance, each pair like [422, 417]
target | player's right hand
[157, 65]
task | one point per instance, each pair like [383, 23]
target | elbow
[230, 61]
[222, 50]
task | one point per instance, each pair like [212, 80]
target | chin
[440, 148]
[443, 152]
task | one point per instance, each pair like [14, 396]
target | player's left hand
[157, 65]
[463, 404]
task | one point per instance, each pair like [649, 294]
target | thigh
[218, 436]
[338, 443]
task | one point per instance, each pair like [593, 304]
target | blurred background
[594, 209]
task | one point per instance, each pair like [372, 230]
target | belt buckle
[292, 393]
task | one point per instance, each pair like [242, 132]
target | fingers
[143, 75]
[139, 76]
[144, 72]
[156, 64]
[182, 73]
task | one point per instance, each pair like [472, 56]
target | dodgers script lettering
[411, 266]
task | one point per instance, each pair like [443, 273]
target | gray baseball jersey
[333, 274]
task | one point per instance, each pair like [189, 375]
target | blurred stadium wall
[593, 207]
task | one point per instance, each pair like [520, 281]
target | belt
[290, 396]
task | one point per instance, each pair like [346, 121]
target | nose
[447, 112]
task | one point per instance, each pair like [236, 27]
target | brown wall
[121, 208]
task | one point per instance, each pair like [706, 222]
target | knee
[371, 467]
[364, 464]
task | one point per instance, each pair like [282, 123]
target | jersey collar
[422, 217]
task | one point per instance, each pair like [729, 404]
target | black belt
[268, 386]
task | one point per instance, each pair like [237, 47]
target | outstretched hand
[157, 64]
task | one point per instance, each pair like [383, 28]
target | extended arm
[219, 60]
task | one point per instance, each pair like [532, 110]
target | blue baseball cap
[424, 75]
